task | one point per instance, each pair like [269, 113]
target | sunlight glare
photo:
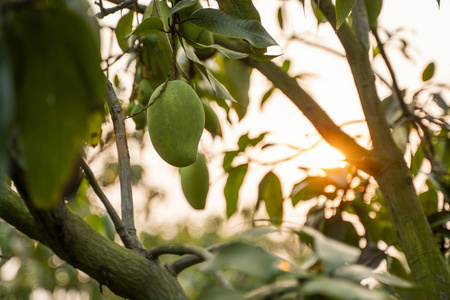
[323, 156]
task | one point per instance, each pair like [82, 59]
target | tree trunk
[413, 231]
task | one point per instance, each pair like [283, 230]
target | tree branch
[124, 160]
[120, 228]
[126, 272]
[317, 116]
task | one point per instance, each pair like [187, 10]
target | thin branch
[416, 121]
[120, 5]
[180, 250]
[317, 45]
[124, 160]
[107, 11]
[120, 228]
[396, 88]
[190, 260]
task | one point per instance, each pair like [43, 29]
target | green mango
[175, 123]
[146, 91]
[196, 34]
[195, 182]
[211, 121]
[139, 119]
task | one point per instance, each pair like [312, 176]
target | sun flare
[323, 156]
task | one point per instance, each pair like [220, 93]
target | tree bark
[127, 273]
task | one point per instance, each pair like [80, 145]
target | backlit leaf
[428, 72]
[339, 289]
[218, 87]
[332, 253]
[249, 259]
[59, 86]
[232, 187]
[124, 27]
[149, 26]
[373, 8]
[271, 193]
[343, 10]
[242, 9]
[221, 23]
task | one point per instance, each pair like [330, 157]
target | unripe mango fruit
[175, 123]
[195, 33]
[195, 182]
[138, 119]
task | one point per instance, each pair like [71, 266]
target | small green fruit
[194, 33]
[195, 182]
[139, 119]
[146, 90]
[175, 123]
[211, 121]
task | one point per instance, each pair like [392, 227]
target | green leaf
[54, 102]
[148, 27]
[236, 78]
[442, 183]
[309, 188]
[228, 159]
[373, 8]
[228, 53]
[219, 22]
[429, 201]
[124, 27]
[428, 72]
[232, 187]
[182, 5]
[438, 219]
[218, 87]
[357, 273]
[245, 141]
[249, 259]
[7, 103]
[267, 95]
[416, 160]
[271, 193]
[343, 10]
[318, 13]
[280, 17]
[242, 9]
[333, 253]
[339, 289]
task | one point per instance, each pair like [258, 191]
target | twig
[398, 93]
[107, 11]
[120, 5]
[120, 228]
[124, 160]
[180, 250]
[191, 260]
